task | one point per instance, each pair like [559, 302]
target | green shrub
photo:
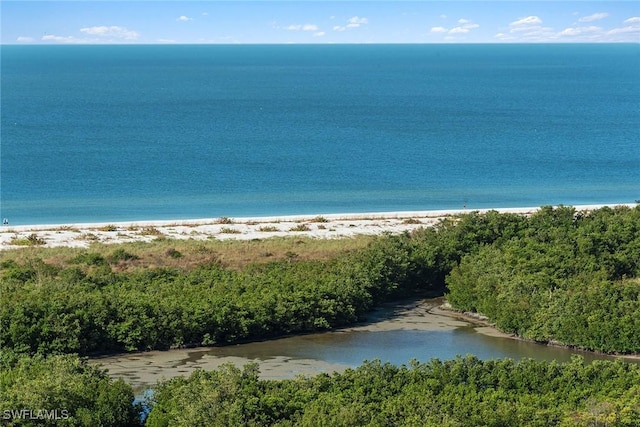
[68, 388]
[89, 258]
[173, 253]
[464, 392]
[121, 255]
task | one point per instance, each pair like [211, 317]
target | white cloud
[465, 27]
[528, 29]
[629, 29]
[570, 32]
[111, 32]
[594, 17]
[353, 22]
[97, 34]
[576, 31]
[184, 18]
[526, 22]
[205, 13]
[504, 37]
[458, 30]
[60, 39]
[356, 20]
[438, 30]
[300, 27]
[627, 33]
[538, 33]
[531, 29]
[319, 34]
[23, 39]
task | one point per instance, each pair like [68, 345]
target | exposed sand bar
[319, 226]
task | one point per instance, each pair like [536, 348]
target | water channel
[395, 333]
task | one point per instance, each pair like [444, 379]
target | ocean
[119, 133]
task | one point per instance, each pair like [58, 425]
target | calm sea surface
[112, 133]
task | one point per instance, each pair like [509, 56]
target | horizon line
[327, 44]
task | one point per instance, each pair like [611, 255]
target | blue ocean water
[114, 133]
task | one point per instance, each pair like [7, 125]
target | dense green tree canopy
[564, 277]
[461, 392]
[62, 390]
[557, 276]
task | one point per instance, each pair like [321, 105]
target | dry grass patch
[319, 219]
[88, 236]
[31, 240]
[228, 230]
[151, 231]
[300, 227]
[68, 228]
[409, 221]
[235, 254]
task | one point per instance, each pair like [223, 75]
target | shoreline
[428, 213]
[485, 327]
[327, 226]
[144, 369]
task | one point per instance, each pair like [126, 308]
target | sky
[230, 22]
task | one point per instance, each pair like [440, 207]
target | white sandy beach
[318, 226]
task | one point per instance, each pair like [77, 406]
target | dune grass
[161, 252]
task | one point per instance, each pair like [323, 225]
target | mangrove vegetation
[556, 276]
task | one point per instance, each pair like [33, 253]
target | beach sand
[318, 226]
